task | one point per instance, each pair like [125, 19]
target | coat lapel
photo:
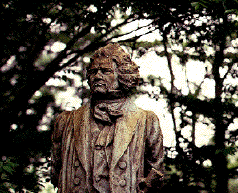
[124, 131]
[81, 135]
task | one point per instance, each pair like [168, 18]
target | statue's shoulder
[132, 109]
[82, 110]
[60, 124]
[63, 116]
[150, 114]
[147, 113]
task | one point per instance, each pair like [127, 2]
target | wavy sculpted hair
[128, 71]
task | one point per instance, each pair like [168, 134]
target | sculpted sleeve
[154, 153]
[56, 164]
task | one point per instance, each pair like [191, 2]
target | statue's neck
[96, 100]
[108, 96]
[107, 111]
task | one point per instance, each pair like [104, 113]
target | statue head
[112, 71]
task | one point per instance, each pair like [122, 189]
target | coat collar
[124, 131]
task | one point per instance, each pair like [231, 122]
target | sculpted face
[103, 76]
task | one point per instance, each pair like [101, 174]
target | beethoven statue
[108, 145]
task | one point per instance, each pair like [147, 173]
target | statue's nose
[99, 74]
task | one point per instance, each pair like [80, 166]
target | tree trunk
[172, 89]
[220, 163]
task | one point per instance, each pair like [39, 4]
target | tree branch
[135, 37]
[171, 102]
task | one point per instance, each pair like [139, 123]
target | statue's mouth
[99, 84]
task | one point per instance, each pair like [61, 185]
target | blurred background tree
[47, 45]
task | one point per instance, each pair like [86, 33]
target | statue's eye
[106, 71]
[92, 71]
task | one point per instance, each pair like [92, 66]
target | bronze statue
[108, 145]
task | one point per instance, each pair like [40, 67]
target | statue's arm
[154, 152]
[56, 164]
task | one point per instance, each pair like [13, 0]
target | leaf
[8, 169]
[4, 188]
[196, 5]
[12, 164]
[234, 11]
[230, 150]
[4, 177]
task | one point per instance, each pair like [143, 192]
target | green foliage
[7, 169]
[207, 24]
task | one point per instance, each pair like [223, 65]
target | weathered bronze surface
[109, 144]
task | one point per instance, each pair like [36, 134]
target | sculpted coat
[137, 151]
